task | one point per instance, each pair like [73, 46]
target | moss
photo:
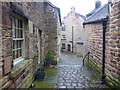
[51, 71]
[95, 67]
[94, 77]
[27, 81]
[110, 81]
[19, 68]
[54, 62]
[41, 84]
[50, 78]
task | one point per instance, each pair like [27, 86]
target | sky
[81, 6]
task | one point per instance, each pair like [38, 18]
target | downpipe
[104, 24]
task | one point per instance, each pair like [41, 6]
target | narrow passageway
[71, 73]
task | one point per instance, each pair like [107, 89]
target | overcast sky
[81, 6]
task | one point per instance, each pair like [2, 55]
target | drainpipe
[104, 24]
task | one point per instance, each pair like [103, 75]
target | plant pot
[47, 63]
[40, 75]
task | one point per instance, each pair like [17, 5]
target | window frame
[63, 28]
[63, 37]
[64, 46]
[18, 39]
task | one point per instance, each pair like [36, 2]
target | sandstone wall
[52, 21]
[113, 45]
[93, 45]
[74, 20]
[36, 40]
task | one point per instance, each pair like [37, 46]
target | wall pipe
[104, 24]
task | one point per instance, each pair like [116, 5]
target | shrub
[49, 56]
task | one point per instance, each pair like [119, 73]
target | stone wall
[73, 30]
[93, 45]
[113, 46]
[52, 28]
[36, 40]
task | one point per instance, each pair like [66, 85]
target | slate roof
[78, 15]
[80, 42]
[93, 11]
[100, 14]
[81, 16]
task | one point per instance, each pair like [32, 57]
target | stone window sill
[17, 69]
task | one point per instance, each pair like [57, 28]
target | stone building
[72, 31]
[24, 33]
[103, 42]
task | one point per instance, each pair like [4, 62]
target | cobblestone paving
[72, 74]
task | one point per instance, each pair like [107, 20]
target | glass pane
[15, 33]
[13, 55]
[18, 33]
[21, 33]
[20, 52]
[17, 54]
[20, 24]
[17, 44]
[20, 44]
[14, 22]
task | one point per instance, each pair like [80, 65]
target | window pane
[13, 44]
[17, 34]
[17, 55]
[21, 33]
[14, 23]
[13, 54]
[20, 52]
[20, 24]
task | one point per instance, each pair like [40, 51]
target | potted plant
[40, 75]
[48, 59]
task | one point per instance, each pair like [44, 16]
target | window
[63, 37]
[63, 45]
[63, 28]
[18, 39]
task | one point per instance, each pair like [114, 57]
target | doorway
[69, 47]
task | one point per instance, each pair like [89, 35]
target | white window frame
[63, 37]
[22, 39]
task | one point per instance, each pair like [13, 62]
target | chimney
[73, 9]
[97, 4]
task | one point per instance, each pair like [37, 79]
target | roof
[99, 15]
[80, 42]
[81, 16]
[92, 12]
[52, 5]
